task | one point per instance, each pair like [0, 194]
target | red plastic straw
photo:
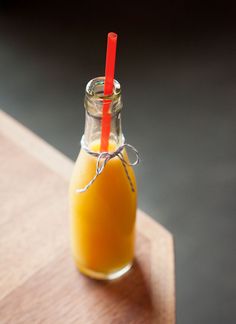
[108, 90]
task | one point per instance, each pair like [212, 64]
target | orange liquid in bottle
[103, 217]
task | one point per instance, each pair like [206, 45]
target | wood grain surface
[38, 280]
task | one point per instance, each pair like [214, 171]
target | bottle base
[105, 276]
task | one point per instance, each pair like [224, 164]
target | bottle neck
[92, 131]
[93, 102]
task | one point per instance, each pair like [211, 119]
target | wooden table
[38, 280]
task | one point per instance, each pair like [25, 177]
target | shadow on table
[131, 294]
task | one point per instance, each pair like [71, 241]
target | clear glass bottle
[103, 216]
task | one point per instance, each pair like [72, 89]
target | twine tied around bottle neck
[104, 157]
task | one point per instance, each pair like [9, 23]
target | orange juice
[103, 217]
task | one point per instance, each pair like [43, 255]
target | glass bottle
[103, 215]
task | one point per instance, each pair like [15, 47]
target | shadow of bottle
[130, 295]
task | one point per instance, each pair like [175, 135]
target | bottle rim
[94, 97]
[95, 89]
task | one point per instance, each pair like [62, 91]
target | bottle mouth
[95, 89]
[94, 97]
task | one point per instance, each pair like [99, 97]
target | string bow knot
[104, 157]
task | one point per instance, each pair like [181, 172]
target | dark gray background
[176, 64]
